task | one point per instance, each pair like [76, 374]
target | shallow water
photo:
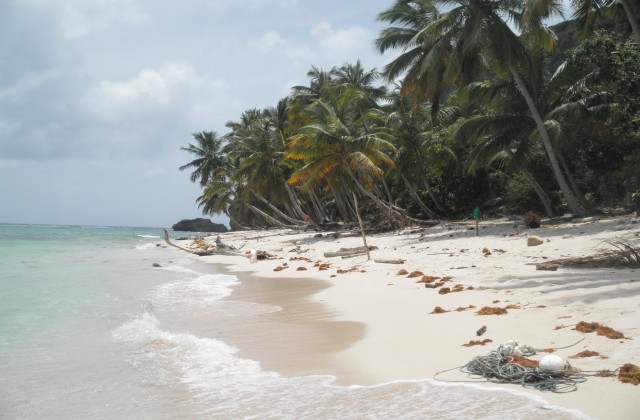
[90, 329]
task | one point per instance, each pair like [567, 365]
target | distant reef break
[199, 225]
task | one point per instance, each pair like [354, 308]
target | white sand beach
[365, 324]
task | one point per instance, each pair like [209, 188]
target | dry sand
[371, 325]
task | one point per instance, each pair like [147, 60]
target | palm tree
[407, 125]
[475, 31]
[588, 12]
[210, 161]
[339, 153]
[421, 66]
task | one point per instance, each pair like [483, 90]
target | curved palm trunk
[572, 199]
[274, 208]
[426, 210]
[428, 187]
[628, 10]
[317, 206]
[542, 195]
[340, 205]
[396, 217]
[269, 219]
[294, 201]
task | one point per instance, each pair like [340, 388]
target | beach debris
[589, 327]
[305, 259]
[322, 266]
[301, 268]
[350, 270]
[402, 272]
[534, 241]
[389, 261]
[629, 374]
[444, 291]
[438, 310]
[464, 308]
[253, 256]
[284, 266]
[531, 219]
[612, 253]
[156, 265]
[430, 285]
[552, 362]
[481, 330]
[488, 310]
[416, 273]
[547, 267]
[586, 353]
[346, 252]
[477, 342]
[486, 251]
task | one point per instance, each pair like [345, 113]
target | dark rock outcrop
[199, 225]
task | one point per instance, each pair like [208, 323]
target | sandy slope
[403, 340]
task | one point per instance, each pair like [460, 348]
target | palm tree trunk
[427, 185]
[274, 208]
[542, 195]
[269, 219]
[340, 205]
[426, 210]
[294, 201]
[387, 190]
[572, 200]
[317, 206]
[628, 9]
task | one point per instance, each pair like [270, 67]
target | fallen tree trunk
[345, 252]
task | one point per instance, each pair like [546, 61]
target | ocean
[91, 329]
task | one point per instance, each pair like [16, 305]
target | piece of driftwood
[389, 261]
[481, 331]
[364, 237]
[345, 252]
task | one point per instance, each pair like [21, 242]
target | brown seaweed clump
[444, 291]
[477, 342]
[489, 310]
[589, 327]
[402, 272]
[523, 361]
[464, 308]
[438, 310]
[416, 274]
[586, 353]
[629, 374]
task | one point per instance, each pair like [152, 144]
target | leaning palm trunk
[343, 209]
[628, 10]
[428, 187]
[294, 201]
[572, 199]
[317, 206]
[399, 219]
[275, 209]
[412, 190]
[542, 195]
[269, 219]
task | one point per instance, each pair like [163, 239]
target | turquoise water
[90, 329]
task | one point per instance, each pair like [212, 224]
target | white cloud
[340, 45]
[79, 18]
[176, 86]
[267, 42]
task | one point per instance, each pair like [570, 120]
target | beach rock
[156, 265]
[199, 225]
[534, 241]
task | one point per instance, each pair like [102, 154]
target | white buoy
[254, 256]
[552, 363]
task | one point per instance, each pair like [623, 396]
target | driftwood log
[348, 252]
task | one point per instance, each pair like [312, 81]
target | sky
[98, 96]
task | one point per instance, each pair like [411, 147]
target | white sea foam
[198, 292]
[143, 247]
[148, 236]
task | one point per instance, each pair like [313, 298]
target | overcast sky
[98, 96]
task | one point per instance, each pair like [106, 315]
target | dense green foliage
[481, 116]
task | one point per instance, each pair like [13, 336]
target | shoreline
[399, 339]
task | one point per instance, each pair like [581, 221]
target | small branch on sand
[387, 261]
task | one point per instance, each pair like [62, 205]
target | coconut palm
[476, 30]
[589, 12]
[210, 159]
[420, 66]
[338, 153]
